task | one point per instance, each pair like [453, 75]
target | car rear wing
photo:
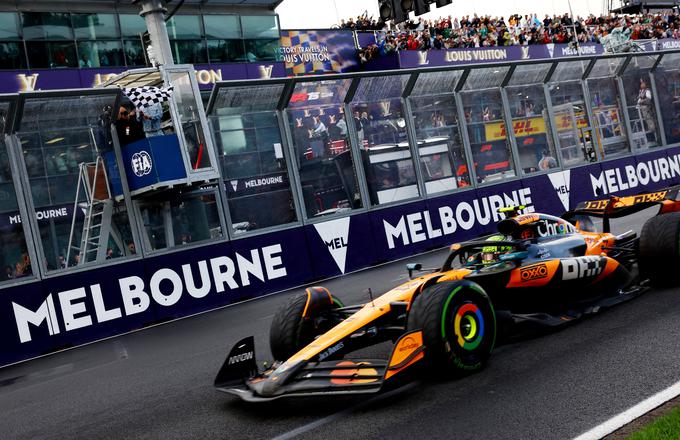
[616, 207]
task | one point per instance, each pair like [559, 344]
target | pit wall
[66, 311]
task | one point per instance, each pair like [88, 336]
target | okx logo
[335, 235]
[561, 181]
[141, 164]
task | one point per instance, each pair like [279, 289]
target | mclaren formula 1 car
[537, 271]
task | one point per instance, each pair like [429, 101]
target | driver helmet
[489, 254]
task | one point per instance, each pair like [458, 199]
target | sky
[311, 14]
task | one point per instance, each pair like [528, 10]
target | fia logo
[141, 164]
[335, 235]
[561, 181]
[525, 52]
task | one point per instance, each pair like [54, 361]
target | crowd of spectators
[486, 31]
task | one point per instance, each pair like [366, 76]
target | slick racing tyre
[659, 248]
[458, 324]
[300, 320]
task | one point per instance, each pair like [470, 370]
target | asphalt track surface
[157, 383]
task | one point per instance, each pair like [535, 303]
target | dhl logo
[523, 127]
[535, 272]
[599, 205]
[566, 121]
[527, 218]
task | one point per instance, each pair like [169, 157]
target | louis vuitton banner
[412, 59]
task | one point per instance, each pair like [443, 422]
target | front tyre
[458, 324]
[300, 320]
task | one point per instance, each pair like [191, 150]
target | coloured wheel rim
[468, 326]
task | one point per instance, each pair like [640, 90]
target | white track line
[346, 412]
[632, 413]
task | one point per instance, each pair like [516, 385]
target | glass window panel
[319, 93]
[259, 26]
[131, 25]
[191, 218]
[9, 29]
[61, 138]
[12, 55]
[222, 26]
[14, 260]
[189, 113]
[134, 53]
[189, 51]
[185, 27]
[383, 141]
[95, 26]
[434, 83]
[491, 151]
[51, 54]
[572, 124]
[529, 74]
[667, 79]
[569, 70]
[253, 162]
[262, 50]
[606, 67]
[608, 120]
[442, 157]
[325, 162]
[640, 103]
[485, 78]
[47, 25]
[531, 127]
[100, 54]
[237, 100]
[380, 87]
[224, 51]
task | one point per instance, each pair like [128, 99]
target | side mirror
[412, 267]
[514, 256]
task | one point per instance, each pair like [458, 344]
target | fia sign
[141, 163]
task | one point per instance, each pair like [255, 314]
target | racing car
[537, 271]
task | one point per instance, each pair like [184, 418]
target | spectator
[128, 127]
[151, 120]
[487, 31]
[547, 161]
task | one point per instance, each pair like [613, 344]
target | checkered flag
[143, 97]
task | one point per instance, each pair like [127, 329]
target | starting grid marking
[632, 413]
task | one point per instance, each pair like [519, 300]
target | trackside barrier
[77, 308]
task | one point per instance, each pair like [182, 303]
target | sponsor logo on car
[582, 267]
[408, 344]
[548, 229]
[534, 272]
[334, 349]
[240, 357]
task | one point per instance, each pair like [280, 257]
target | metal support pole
[153, 12]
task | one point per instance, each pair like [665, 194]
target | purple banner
[452, 57]
[12, 81]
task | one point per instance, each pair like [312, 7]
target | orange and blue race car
[538, 271]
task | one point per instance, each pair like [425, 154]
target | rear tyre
[458, 324]
[300, 320]
[660, 248]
